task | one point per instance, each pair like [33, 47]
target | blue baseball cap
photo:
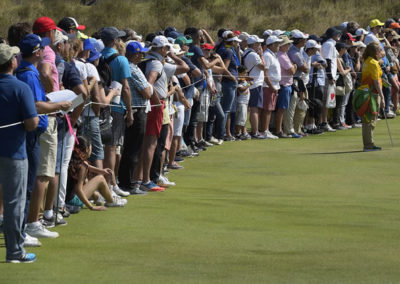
[94, 55]
[32, 43]
[87, 44]
[135, 47]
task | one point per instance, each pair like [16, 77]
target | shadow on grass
[337, 153]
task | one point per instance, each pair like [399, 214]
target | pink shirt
[286, 64]
[50, 57]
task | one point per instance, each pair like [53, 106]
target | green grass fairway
[311, 210]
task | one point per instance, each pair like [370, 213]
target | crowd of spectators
[151, 102]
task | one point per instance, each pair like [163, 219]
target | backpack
[104, 69]
[244, 58]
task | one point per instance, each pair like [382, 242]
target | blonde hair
[372, 50]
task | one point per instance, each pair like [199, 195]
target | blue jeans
[228, 97]
[215, 115]
[13, 178]
[387, 94]
[92, 130]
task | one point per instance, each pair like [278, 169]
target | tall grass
[254, 16]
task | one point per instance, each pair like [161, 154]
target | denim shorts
[256, 97]
[92, 130]
[284, 97]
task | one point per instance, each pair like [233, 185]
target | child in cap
[242, 104]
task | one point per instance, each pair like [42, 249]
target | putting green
[306, 210]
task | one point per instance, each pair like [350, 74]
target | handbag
[331, 96]
[340, 91]
[348, 83]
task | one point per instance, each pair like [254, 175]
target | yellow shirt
[371, 72]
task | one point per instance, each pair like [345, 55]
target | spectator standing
[16, 104]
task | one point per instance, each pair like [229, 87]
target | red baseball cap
[43, 24]
[207, 46]
[236, 32]
[394, 25]
[348, 36]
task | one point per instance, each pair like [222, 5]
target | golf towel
[364, 103]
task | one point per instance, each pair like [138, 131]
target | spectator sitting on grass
[77, 174]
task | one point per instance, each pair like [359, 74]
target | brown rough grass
[254, 16]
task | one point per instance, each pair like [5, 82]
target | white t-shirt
[328, 51]
[92, 71]
[274, 68]
[81, 67]
[251, 61]
[244, 97]
[167, 71]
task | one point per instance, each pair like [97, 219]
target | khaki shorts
[48, 150]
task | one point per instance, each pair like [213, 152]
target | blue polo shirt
[16, 104]
[227, 54]
[119, 70]
[197, 54]
[32, 79]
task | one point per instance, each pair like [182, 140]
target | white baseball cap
[299, 34]
[267, 33]
[160, 41]
[226, 33]
[278, 32]
[312, 44]
[254, 39]
[360, 32]
[243, 36]
[272, 39]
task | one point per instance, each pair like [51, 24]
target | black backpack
[104, 69]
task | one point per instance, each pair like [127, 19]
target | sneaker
[179, 159]
[118, 202]
[204, 143]
[326, 127]
[48, 222]
[100, 200]
[245, 136]
[220, 141]
[26, 258]
[213, 140]
[374, 148]
[283, 135]
[37, 230]
[258, 136]
[347, 126]
[164, 182]
[119, 191]
[356, 125]
[31, 241]
[295, 135]
[60, 220]
[151, 186]
[269, 135]
[229, 138]
[73, 209]
[64, 212]
[315, 131]
[340, 127]
[198, 147]
[135, 190]
[175, 166]
[390, 114]
[186, 154]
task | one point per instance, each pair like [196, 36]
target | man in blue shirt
[120, 72]
[141, 92]
[16, 107]
[32, 47]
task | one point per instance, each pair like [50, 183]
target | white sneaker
[213, 140]
[164, 182]
[37, 230]
[100, 200]
[118, 202]
[31, 241]
[119, 191]
[269, 135]
[220, 141]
